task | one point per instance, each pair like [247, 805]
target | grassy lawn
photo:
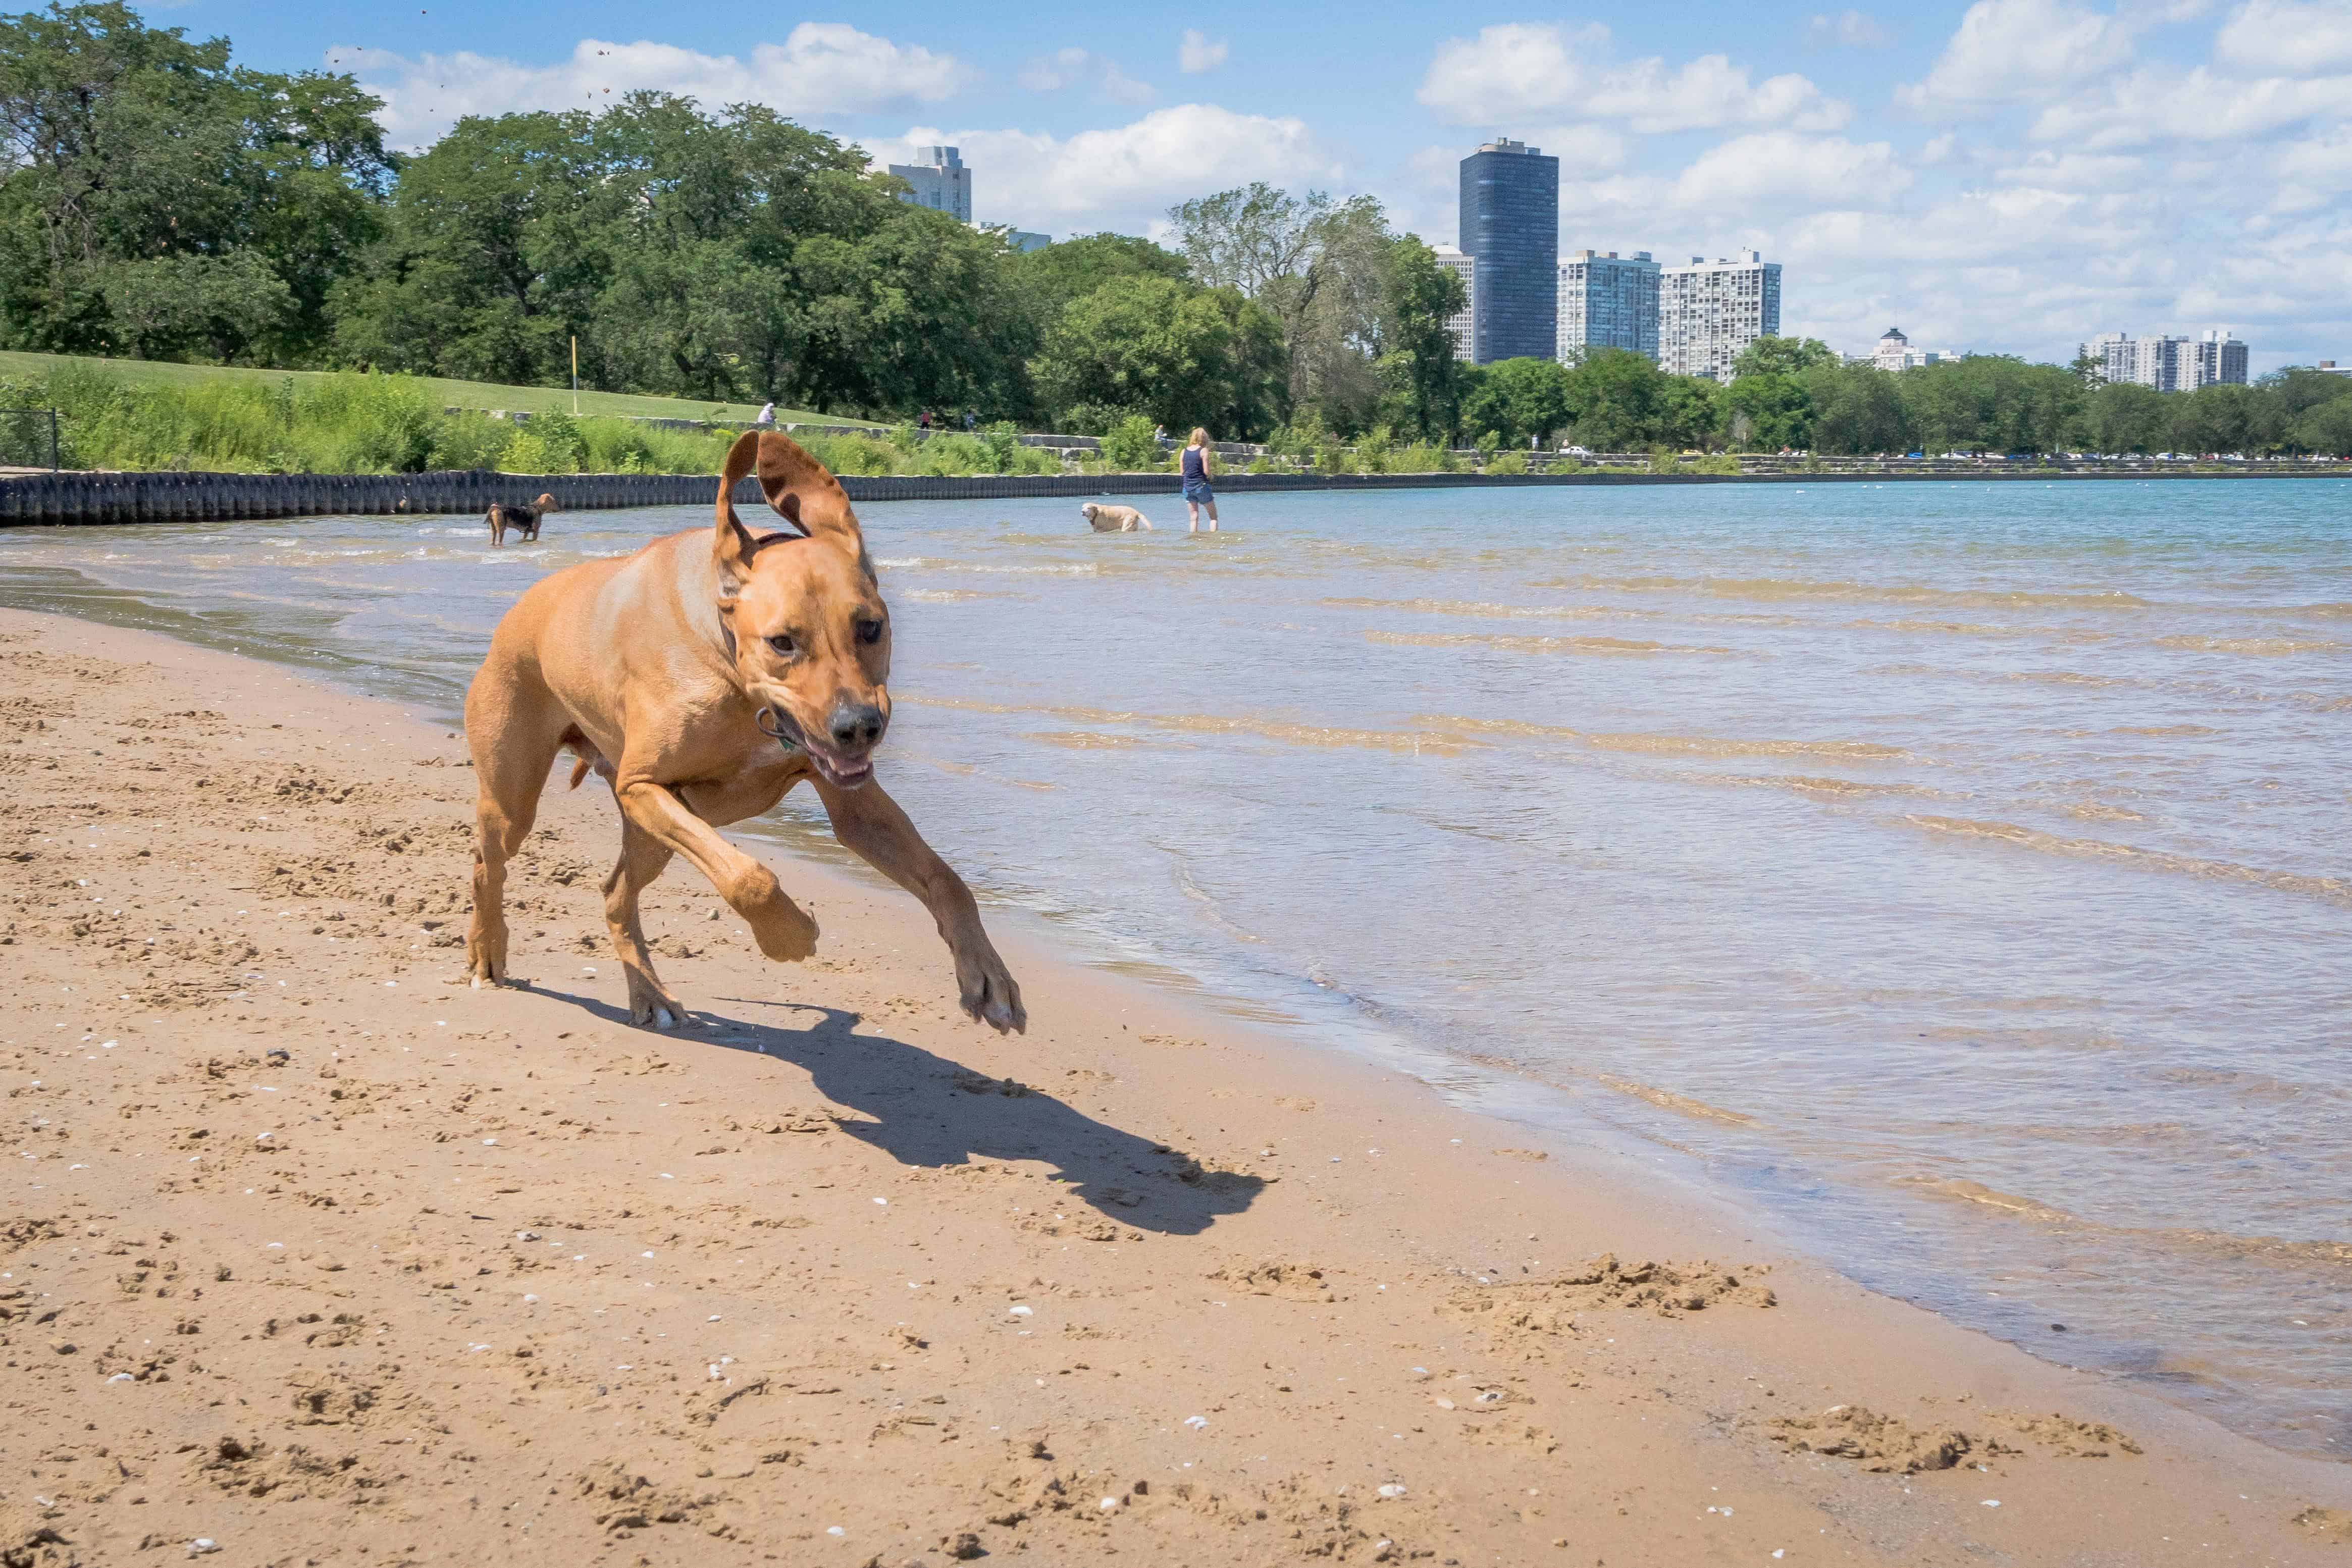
[444, 394]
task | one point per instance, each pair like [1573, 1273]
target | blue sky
[2011, 176]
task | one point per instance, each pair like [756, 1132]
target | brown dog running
[524, 520]
[702, 678]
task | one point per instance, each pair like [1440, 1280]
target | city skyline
[1999, 174]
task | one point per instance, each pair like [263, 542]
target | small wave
[1414, 741]
[1682, 1104]
[1509, 644]
[2261, 648]
[1085, 740]
[2163, 729]
[1804, 784]
[1673, 746]
[1837, 591]
[2333, 889]
[2183, 1238]
[931, 564]
[2100, 811]
[942, 595]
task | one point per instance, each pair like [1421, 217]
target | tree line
[158, 200]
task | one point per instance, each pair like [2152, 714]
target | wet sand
[313, 1254]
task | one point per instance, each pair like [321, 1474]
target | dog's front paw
[987, 991]
[786, 932]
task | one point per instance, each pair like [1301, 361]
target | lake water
[1957, 873]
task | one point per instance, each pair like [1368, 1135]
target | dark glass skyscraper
[1510, 222]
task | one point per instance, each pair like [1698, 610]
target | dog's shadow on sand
[927, 1109]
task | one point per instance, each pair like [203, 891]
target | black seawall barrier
[79, 497]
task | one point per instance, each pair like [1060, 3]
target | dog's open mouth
[847, 773]
[839, 768]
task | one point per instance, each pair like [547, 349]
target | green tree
[2121, 417]
[140, 167]
[1164, 350]
[1417, 349]
[1858, 409]
[2325, 427]
[1519, 398]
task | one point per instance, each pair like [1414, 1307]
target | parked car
[1574, 452]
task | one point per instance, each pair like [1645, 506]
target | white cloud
[1197, 52]
[820, 68]
[1848, 30]
[2018, 51]
[2080, 172]
[1127, 175]
[2160, 104]
[1076, 67]
[2286, 37]
[1520, 70]
[2312, 175]
[1776, 167]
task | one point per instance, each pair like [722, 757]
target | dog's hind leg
[641, 859]
[504, 730]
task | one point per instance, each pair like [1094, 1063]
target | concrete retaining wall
[105, 498]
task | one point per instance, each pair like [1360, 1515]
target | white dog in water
[1115, 519]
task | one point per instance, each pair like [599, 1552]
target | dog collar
[784, 733]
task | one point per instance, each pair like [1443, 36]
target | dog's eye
[783, 645]
[869, 631]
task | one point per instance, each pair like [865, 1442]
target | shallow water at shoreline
[1957, 871]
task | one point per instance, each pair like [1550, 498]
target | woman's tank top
[1195, 468]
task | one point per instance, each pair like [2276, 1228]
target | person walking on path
[1199, 459]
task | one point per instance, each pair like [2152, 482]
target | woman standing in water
[1200, 466]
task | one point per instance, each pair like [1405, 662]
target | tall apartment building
[1510, 223]
[2112, 356]
[940, 182]
[1463, 323]
[1709, 310]
[2219, 359]
[2167, 363]
[1608, 302]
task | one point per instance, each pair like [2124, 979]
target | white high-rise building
[1463, 323]
[2169, 364]
[2216, 359]
[1709, 310]
[940, 182]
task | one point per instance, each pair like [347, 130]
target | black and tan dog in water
[523, 520]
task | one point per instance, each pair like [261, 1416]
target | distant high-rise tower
[1510, 224]
[1608, 302]
[1710, 310]
[2216, 359]
[940, 181]
[1463, 322]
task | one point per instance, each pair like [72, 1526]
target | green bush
[1374, 449]
[1488, 444]
[1129, 447]
[1421, 457]
[1511, 462]
[1004, 441]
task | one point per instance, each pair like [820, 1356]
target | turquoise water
[1957, 873]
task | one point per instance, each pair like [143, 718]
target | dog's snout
[854, 725]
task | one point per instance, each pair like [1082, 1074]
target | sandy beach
[311, 1254]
